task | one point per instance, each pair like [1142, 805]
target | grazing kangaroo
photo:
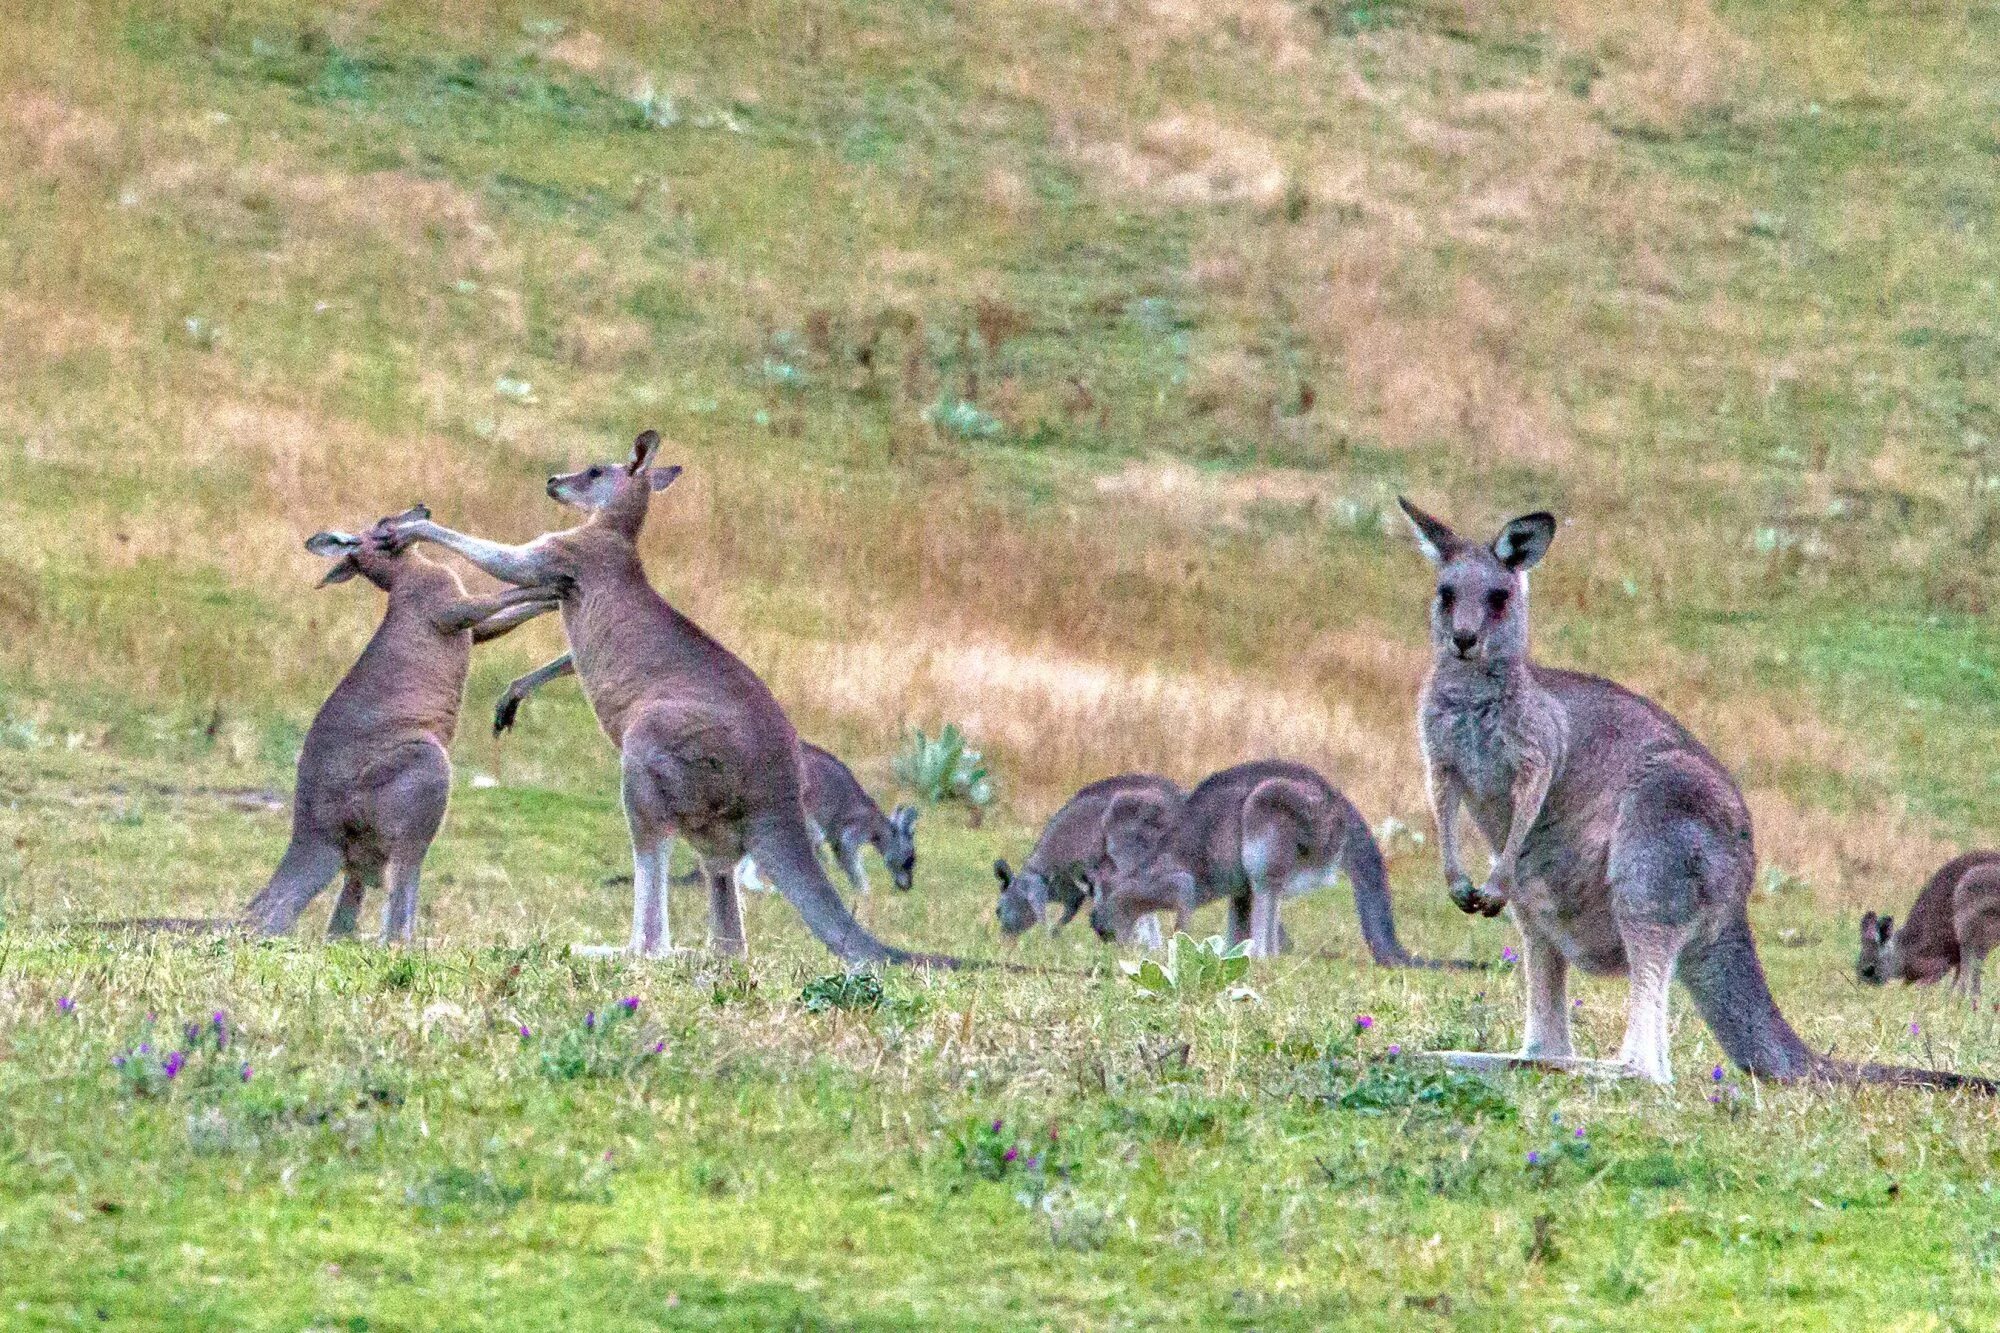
[1620, 844]
[707, 753]
[1952, 926]
[1254, 834]
[1070, 853]
[374, 774]
[844, 817]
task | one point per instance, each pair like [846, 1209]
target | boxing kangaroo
[374, 775]
[1255, 835]
[707, 754]
[1952, 926]
[1619, 844]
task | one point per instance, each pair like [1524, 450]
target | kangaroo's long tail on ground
[1726, 979]
[166, 925]
[785, 856]
[1361, 862]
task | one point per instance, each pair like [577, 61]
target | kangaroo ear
[1004, 873]
[1867, 925]
[663, 477]
[332, 545]
[643, 450]
[1434, 537]
[1523, 542]
[905, 819]
[1885, 928]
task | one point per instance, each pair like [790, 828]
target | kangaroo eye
[1445, 598]
[595, 473]
[1497, 600]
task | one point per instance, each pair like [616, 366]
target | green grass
[1713, 281]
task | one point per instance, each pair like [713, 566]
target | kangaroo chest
[1477, 742]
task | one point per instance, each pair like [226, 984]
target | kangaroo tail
[1727, 982]
[784, 854]
[304, 870]
[167, 925]
[1361, 862]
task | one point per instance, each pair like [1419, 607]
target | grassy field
[1048, 366]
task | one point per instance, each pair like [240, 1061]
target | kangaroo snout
[553, 482]
[1464, 642]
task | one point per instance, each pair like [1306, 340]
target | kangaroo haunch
[707, 753]
[1620, 844]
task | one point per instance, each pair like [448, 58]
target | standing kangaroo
[707, 753]
[1952, 926]
[844, 817]
[1620, 844]
[1254, 834]
[374, 775]
[1071, 850]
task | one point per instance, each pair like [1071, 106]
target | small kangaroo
[1620, 844]
[374, 774]
[1952, 926]
[1070, 853]
[1254, 834]
[707, 753]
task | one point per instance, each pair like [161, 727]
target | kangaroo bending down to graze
[843, 816]
[707, 753]
[1069, 854]
[1255, 835]
[374, 774]
[1620, 844]
[1952, 926]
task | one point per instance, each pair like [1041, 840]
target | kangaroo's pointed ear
[1434, 536]
[905, 819]
[643, 450]
[332, 545]
[1867, 925]
[1885, 928]
[663, 477]
[1004, 873]
[1523, 542]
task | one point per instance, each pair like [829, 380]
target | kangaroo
[1071, 850]
[1952, 926]
[374, 775]
[843, 816]
[1620, 844]
[1254, 834]
[707, 753]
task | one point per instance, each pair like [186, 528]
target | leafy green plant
[1437, 1089]
[843, 990]
[945, 769]
[1193, 969]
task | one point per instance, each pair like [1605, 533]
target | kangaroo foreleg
[1531, 789]
[509, 704]
[525, 566]
[1447, 797]
[471, 611]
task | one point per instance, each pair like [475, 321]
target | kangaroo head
[375, 555]
[617, 493]
[1480, 612]
[1143, 873]
[896, 838]
[1024, 898]
[1878, 962]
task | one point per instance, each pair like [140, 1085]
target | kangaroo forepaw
[1471, 899]
[505, 712]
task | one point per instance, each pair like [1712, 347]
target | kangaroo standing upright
[374, 773]
[707, 754]
[1254, 834]
[1620, 844]
[1952, 926]
[1071, 850]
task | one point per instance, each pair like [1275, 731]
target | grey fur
[1622, 846]
[1253, 835]
[374, 774]
[1070, 853]
[1952, 926]
[707, 753]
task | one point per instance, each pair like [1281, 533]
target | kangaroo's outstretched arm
[509, 704]
[526, 566]
[506, 622]
[469, 612]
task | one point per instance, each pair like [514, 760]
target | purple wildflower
[145, 1048]
[171, 1066]
[117, 1062]
[1534, 1159]
[245, 1071]
[1579, 1131]
[525, 1033]
[1362, 1022]
[220, 1022]
[1395, 1048]
[1507, 954]
[1716, 1073]
[1035, 1163]
[65, 1005]
[607, 1154]
[1914, 1029]
[659, 1047]
[997, 1124]
[1714, 1099]
[1010, 1154]
[630, 1004]
[590, 1021]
